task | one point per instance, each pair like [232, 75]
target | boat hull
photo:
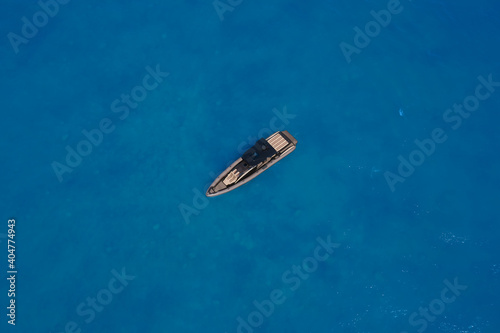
[264, 154]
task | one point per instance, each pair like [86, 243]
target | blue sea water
[334, 238]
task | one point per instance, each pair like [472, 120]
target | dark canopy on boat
[259, 153]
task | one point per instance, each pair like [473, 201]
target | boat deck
[277, 141]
